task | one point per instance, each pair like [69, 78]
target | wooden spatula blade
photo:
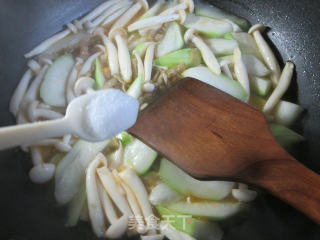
[192, 115]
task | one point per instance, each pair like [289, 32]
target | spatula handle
[290, 181]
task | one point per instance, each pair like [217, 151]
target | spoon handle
[32, 132]
[290, 181]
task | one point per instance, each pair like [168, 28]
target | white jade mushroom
[83, 85]
[128, 15]
[241, 71]
[111, 52]
[152, 21]
[120, 36]
[266, 52]
[207, 54]
[35, 113]
[148, 60]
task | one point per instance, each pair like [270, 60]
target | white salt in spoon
[94, 117]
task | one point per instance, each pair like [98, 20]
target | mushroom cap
[144, 4]
[256, 27]
[189, 34]
[117, 31]
[190, 4]
[82, 84]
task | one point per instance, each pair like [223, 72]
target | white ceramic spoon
[94, 117]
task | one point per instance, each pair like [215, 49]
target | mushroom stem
[154, 10]
[280, 90]
[140, 64]
[207, 54]
[34, 66]
[33, 90]
[72, 78]
[266, 53]
[125, 18]
[94, 204]
[115, 15]
[88, 64]
[97, 11]
[35, 113]
[107, 13]
[124, 57]
[174, 9]
[57, 143]
[241, 71]
[111, 51]
[19, 92]
[83, 85]
[152, 21]
[47, 43]
[148, 60]
[111, 187]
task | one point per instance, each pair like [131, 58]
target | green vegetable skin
[260, 86]
[208, 26]
[185, 223]
[100, 80]
[214, 210]
[191, 57]
[139, 156]
[221, 47]
[181, 182]
[76, 205]
[172, 40]
[141, 48]
[208, 10]
[221, 82]
[52, 89]
[126, 138]
[135, 90]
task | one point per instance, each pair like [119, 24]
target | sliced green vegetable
[76, 206]
[257, 102]
[287, 113]
[215, 210]
[172, 40]
[53, 87]
[163, 195]
[197, 228]
[221, 82]
[208, 10]
[181, 182]
[260, 86]
[135, 90]
[228, 36]
[56, 159]
[100, 79]
[71, 170]
[139, 156]
[126, 138]
[207, 26]
[285, 136]
[254, 66]
[141, 48]
[154, 9]
[222, 46]
[191, 57]
[247, 44]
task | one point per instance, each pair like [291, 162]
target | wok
[29, 211]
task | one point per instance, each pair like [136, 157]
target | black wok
[28, 211]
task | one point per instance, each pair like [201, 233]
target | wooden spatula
[210, 134]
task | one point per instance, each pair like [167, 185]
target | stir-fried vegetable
[142, 51]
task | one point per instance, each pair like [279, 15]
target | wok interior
[29, 211]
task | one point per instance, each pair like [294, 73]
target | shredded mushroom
[148, 60]
[33, 90]
[266, 52]
[280, 90]
[207, 54]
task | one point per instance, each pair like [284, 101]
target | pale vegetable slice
[247, 44]
[172, 40]
[222, 46]
[285, 136]
[71, 169]
[76, 206]
[221, 82]
[173, 234]
[191, 57]
[260, 86]
[135, 89]
[207, 26]
[163, 195]
[286, 113]
[254, 66]
[100, 79]
[211, 209]
[53, 87]
[244, 195]
[208, 10]
[194, 227]
[181, 182]
[139, 156]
